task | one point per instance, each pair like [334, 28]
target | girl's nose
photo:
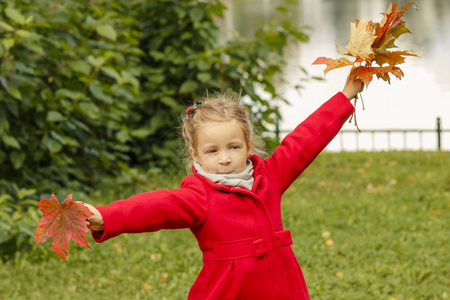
[224, 158]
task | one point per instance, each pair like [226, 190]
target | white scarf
[244, 179]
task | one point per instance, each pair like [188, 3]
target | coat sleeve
[147, 212]
[299, 148]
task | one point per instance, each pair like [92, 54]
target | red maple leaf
[62, 223]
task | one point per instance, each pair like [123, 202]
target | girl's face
[221, 148]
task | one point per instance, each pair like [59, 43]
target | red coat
[246, 250]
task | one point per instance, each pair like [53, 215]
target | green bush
[70, 76]
[18, 217]
[69, 72]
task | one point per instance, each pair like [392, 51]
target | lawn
[365, 226]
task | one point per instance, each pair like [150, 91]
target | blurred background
[414, 102]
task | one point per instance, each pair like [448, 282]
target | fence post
[439, 131]
[277, 128]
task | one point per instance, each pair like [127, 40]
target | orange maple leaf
[391, 25]
[62, 223]
[392, 58]
[365, 74]
[332, 63]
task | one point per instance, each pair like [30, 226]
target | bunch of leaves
[370, 43]
[62, 223]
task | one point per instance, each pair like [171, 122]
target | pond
[414, 102]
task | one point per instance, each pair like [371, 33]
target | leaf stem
[362, 101]
[353, 117]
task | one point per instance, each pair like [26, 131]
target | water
[411, 103]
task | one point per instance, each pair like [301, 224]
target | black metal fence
[439, 133]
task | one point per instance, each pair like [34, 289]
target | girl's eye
[235, 147]
[211, 151]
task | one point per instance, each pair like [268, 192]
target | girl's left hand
[95, 222]
[352, 88]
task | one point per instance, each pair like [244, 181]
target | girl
[232, 202]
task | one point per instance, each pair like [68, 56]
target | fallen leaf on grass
[164, 276]
[326, 234]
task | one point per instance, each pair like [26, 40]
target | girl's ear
[249, 148]
[193, 154]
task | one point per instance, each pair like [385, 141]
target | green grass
[365, 226]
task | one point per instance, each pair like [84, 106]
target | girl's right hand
[95, 222]
[352, 88]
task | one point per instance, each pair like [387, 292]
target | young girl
[232, 202]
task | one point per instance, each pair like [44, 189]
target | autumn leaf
[332, 63]
[392, 58]
[62, 223]
[365, 74]
[361, 40]
[391, 26]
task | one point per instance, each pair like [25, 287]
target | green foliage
[18, 217]
[70, 74]
[387, 214]
[92, 88]
[87, 86]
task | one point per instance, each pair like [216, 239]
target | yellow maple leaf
[361, 39]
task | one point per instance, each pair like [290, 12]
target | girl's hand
[95, 222]
[352, 88]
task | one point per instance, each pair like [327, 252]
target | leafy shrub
[69, 74]
[18, 217]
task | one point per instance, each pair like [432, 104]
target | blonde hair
[220, 107]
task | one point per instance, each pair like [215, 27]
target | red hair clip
[193, 108]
